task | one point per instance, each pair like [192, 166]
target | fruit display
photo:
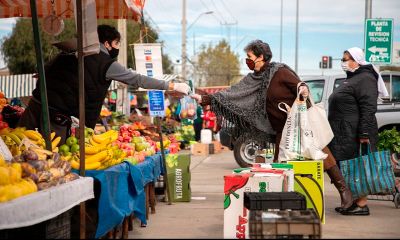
[3, 101]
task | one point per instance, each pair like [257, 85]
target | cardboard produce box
[178, 171]
[309, 181]
[235, 214]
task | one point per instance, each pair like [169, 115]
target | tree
[218, 65]
[19, 52]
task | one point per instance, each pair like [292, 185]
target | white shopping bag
[298, 140]
[318, 120]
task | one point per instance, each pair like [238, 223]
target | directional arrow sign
[378, 40]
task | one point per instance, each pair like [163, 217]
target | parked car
[388, 114]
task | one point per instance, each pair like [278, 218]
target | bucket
[206, 136]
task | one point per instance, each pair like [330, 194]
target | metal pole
[368, 13]
[184, 40]
[42, 78]
[280, 43]
[82, 225]
[159, 119]
[296, 55]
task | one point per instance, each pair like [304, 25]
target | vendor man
[62, 85]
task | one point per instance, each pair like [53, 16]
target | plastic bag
[188, 108]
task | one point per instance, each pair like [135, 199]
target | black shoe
[339, 209]
[356, 210]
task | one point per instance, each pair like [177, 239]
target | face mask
[251, 64]
[113, 52]
[346, 68]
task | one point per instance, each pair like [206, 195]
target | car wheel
[245, 152]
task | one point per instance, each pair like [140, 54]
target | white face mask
[346, 68]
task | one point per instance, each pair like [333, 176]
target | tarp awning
[22, 85]
[106, 9]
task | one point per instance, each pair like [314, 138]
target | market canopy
[105, 9]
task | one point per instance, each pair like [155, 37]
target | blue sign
[156, 103]
[150, 72]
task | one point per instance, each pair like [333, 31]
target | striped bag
[369, 174]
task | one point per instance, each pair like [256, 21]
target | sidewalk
[203, 217]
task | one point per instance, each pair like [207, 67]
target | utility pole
[297, 38]
[228, 25]
[122, 89]
[280, 43]
[184, 40]
[368, 13]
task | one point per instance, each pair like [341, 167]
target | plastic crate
[274, 200]
[284, 224]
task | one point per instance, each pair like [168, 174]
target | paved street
[203, 216]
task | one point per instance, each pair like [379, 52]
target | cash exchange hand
[182, 88]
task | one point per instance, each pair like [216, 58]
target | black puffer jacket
[352, 108]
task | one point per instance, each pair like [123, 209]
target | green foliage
[218, 65]
[19, 51]
[389, 140]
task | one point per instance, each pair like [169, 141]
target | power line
[217, 11]
[230, 13]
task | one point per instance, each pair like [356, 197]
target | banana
[109, 136]
[4, 131]
[99, 157]
[33, 135]
[52, 135]
[19, 134]
[14, 138]
[55, 142]
[91, 150]
[90, 166]
[55, 150]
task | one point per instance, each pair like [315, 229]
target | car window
[395, 86]
[338, 82]
[316, 88]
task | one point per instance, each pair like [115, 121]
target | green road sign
[378, 40]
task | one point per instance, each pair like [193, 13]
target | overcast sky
[326, 27]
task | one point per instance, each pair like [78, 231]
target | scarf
[241, 109]
[358, 56]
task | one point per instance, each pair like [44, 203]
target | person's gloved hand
[196, 97]
[182, 88]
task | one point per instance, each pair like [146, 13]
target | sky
[326, 27]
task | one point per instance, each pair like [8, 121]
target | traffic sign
[378, 40]
[156, 103]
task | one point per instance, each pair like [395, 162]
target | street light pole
[184, 40]
[297, 37]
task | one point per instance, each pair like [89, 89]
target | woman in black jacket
[352, 108]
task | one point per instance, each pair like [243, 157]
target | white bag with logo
[299, 136]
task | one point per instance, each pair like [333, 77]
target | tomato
[3, 125]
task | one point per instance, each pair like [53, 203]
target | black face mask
[113, 52]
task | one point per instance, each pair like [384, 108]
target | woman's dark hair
[351, 57]
[259, 48]
[108, 33]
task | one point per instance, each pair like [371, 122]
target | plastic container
[285, 224]
[206, 136]
[274, 200]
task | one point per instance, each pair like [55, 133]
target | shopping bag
[188, 108]
[298, 140]
[322, 130]
[369, 174]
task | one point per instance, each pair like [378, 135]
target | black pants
[197, 130]
[32, 118]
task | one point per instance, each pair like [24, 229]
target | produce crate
[217, 146]
[200, 149]
[58, 227]
[274, 200]
[292, 224]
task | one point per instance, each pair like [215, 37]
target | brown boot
[345, 194]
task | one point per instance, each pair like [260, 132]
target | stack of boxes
[203, 149]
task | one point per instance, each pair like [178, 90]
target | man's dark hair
[108, 33]
[259, 48]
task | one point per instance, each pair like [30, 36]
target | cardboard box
[217, 146]
[178, 170]
[235, 214]
[200, 149]
[309, 181]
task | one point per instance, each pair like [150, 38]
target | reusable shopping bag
[322, 130]
[299, 141]
[369, 174]
[188, 108]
